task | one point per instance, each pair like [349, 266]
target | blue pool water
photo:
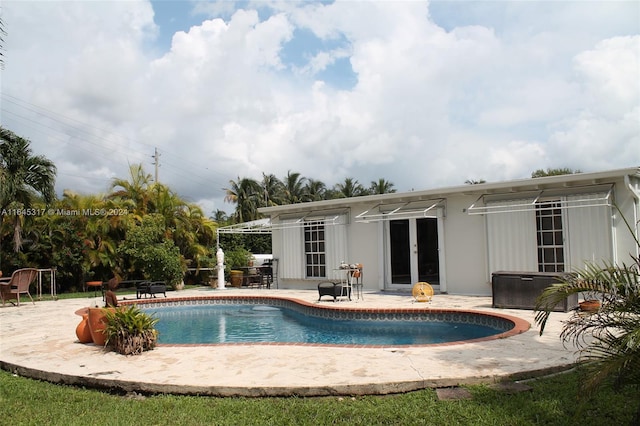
[263, 323]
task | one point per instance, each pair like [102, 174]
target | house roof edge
[529, 184]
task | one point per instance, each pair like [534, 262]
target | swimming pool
[237, 319]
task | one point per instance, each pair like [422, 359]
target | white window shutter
[511, 239]
[292, 264]
[588, 233]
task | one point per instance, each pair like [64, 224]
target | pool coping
[52, 353]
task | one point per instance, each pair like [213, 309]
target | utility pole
[156, 162]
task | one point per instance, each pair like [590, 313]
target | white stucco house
[454, 238]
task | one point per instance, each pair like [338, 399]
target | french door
[413, 252]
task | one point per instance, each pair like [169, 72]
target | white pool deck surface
[39, 341]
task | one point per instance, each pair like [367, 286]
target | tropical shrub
[237, 258]
[130, 331]
[65, 242]
[151, 253]
[609, 338]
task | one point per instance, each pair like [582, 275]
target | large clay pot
[97, 325]
[236, 278]
[590, 306]
[82, 330]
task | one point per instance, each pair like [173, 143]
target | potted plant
[591, 290]
[130, 331]
[96, 318]
[589, 305]
[235, 261]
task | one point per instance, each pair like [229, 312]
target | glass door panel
[414, 254]
[400, 248]
[427, 241]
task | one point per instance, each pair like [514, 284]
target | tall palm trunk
[17, 233]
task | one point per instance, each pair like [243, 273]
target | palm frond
[608, 340]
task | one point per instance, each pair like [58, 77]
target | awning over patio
[405, 210]
[260, 226]
[266, 225]
[544, 200]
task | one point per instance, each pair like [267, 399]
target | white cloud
[606, 131]
[612, 74]
[499, 91]
[321, 60]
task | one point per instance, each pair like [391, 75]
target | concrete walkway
[39, 341]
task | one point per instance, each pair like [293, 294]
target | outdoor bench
[252, 280]
[151, 288]
[329, 288]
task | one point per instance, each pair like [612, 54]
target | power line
[63, 120]
[59, 118]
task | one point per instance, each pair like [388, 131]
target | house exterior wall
[623, 239]
[466, 239]
[465, 249]
[362, 244]
[365, 239]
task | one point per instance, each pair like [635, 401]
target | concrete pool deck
[39, 341]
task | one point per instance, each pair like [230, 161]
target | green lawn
[553, 401]
[120, 292]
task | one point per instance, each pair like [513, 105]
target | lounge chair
[18, 284]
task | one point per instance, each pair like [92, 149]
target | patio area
[39, 341]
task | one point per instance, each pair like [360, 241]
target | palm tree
[314, 190]
[382, 186]
[614, 351]
[164, 201]
[194, 237]
[220, 216]
[349, 188]
[293, 188]
[554, 172]
[100, 232]
[137, 189]
[246, 194]
[185, 223]
[474, 181]
[272, 189]
[63, 244]
[23, 177]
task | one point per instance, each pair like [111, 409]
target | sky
[422, 94]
